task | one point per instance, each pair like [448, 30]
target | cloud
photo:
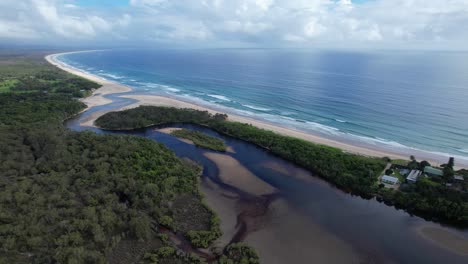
[252, 22]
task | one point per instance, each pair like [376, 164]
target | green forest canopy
[72, 197]
[353, 173]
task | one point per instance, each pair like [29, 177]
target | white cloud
[277, 22]
[16, 30]
[313, 28]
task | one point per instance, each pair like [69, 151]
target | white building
[390, 180]
[458, 178]
[413, 176]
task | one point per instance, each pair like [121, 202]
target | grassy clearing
[200, 139]
[6, 85]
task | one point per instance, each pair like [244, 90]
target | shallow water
[399, 101]
[307, 219]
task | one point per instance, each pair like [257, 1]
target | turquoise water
[404, 102]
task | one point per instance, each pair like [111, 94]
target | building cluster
[412, 176]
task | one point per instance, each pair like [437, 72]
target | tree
[423, 164]
[448, 173]
[451, 162]
[448, 170]
[141, 227]
[413, 164]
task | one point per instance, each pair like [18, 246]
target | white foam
[112, 76]
[257, 108]
[220, 97]
[463, 150]
[339, 120]
[323, 128]
[288, 118]
[171, 89]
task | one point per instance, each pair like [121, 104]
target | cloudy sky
[435, 24]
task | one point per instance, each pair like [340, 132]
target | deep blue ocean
[401, 101]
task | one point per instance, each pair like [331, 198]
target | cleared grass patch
[6, 85]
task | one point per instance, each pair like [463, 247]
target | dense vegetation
[69, 197]
[200, 139]
[353, 173]
[239, 253]
[26, 75]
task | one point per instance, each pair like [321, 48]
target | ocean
[399, 101]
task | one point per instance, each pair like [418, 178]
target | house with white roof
[390, 180]
[413, 176]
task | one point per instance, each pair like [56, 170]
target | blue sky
[238, 23]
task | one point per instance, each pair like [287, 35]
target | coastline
[97, 98]
[110, 87]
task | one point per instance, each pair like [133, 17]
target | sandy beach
[109, 87]
[97, 98]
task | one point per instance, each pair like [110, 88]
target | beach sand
[109, 87]
[97, 98]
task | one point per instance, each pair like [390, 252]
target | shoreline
[97, 97]
[111, 87]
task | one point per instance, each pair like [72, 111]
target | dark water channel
[376, 233]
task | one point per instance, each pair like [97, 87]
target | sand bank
[278, 233]
[169, 130]
[445, 239]
[235, 174]
[109, 87]
[224, 204]
[290, 237]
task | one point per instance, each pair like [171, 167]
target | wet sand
[298, 173]
[235, 174]
[169, 130]
[224, 204]
[291, 238]
[445, 239]
[274, 229]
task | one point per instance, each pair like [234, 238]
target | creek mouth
[298, 217]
